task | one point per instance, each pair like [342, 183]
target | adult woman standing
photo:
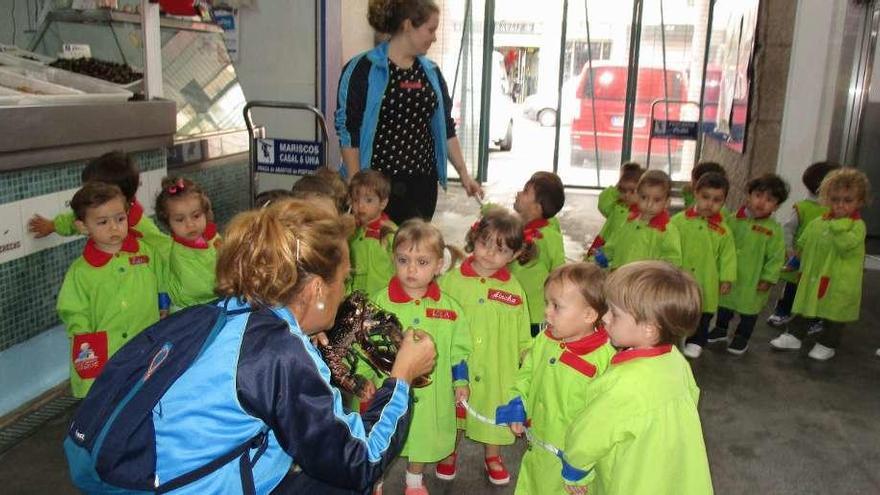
[394, 111]
[287, 263]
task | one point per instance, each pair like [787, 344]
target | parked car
[542, 105]
[501, 109]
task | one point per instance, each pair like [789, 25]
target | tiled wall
[31, 272]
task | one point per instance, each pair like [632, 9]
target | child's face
[366, 205]
[843, 202]
[186, 217]
[623, 329]
[652, 200]
[489, 256]
[106, 224]
[762, 204]
[567, 312]
[416, 267]
[526, 204]
[709, 201]
[627, 192]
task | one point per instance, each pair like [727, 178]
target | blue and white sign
[287, 156]
[675, 129]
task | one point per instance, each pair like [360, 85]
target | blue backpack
[111, 445]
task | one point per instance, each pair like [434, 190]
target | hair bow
[179, 186]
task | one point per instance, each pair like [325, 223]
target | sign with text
[287, 156]
[675, 129]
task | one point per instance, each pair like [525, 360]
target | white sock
[413, 480]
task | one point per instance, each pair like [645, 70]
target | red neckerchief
[584, 345]
[855, 216]
[532, 231]
[715, 219]
[467, 269]
[373, 230]
[97, 258]
[202, 241]
[398, 295]
[135, 213]
[630, 354]
[657, 222]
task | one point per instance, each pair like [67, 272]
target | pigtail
[529, 252]
[456, 255]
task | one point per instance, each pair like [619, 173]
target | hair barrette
[179, 186]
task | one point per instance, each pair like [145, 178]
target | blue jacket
[263, 373]
[361, 88]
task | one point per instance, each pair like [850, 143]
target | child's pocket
[89, 354]
[823, 286]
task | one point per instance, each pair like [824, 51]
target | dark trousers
[829, 336]
[783, 305]
[412, 196]
[296, 483]
[702, 334]
[746, 322]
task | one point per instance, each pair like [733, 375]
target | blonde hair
[846, 178]
[417, 232]
[588, 278]
[653, 178]
[657, 293]
[269, 254]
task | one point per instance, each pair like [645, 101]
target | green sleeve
[73, 304]
[607, 198]
[670, 248]
[64, 225]
[524, 327]
[727, 257]
[775, 257]
[461, 343]
[557, 254]
[848, 234]
[523, 382]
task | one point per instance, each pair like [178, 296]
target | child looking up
[110, 293]
[646, 234]
[557, 373]
[370, 246]
[184, 208]
[803, 212]
[832, 253]
[416, 299]
[539, 201]
[621, 194]
[760, 251]
[640, 431]
[707, 251]
[618, 211]
[494, 305]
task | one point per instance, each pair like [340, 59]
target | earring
[320, 305]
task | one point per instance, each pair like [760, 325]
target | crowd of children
[580, 357]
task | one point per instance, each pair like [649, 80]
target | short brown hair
[704, 168]
[846, 178]
[268, 254]
[652, 178]
[630, 172]
[340, 190]
[115, 168]
[713, 180]
[549, 192]
[657, 293]
[508, 231]
[769, 183]
[174, 188]
[815, 173]
[92, 195]
[372, 180]
[309, 186]
[588, 278]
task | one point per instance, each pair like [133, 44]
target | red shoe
[446, 472]
[498, 476]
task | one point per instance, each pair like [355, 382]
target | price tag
[75, 50]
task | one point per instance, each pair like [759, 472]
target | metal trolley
[257, 136]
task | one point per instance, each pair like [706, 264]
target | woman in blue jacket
[394, 111]
[288, 263]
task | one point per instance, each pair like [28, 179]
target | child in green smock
[707, 251]
[184, 208]
[370, 246]
[803, 212]
[494, 305]
[832, 254]
[552, 384]
[760, 251]
[646, 234]
[418, 302]
[118, 169]
[640, 431]
[698, 171]
[540, 200]
[110, 293]
[614, 204]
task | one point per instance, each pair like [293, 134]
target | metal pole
[665, 90]
[486, 89]
[632, 80]
[559, 84]
[592, 92]
[699, 147]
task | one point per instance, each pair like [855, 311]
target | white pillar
[152, 49]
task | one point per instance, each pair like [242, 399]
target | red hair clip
[179, 186]
[476, 226]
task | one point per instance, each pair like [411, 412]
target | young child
[698, 171]
[621, 194]
[540, 200]
[640, 431]
[803, 212]
[340, 189]
[494, 305]
[266, 198]
[646, 234]
[370, 246]
[184, 209]
[707, 251]
[316, 189]
[118, 169]
[832, 254]
[110, 293]
[760, 251]
[556, 374]
[414, 296]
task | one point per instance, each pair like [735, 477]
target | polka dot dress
[403, 145]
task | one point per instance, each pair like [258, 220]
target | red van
[609, 92]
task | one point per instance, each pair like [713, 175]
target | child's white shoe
[821, 353]
[786, 342]
[692, 351]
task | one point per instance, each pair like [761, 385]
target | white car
[501, 110]
[542, 105]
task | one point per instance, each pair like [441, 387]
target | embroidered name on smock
[504, 297]
[716, 228]
[762, 230]
[441, 314]
[142, 259]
